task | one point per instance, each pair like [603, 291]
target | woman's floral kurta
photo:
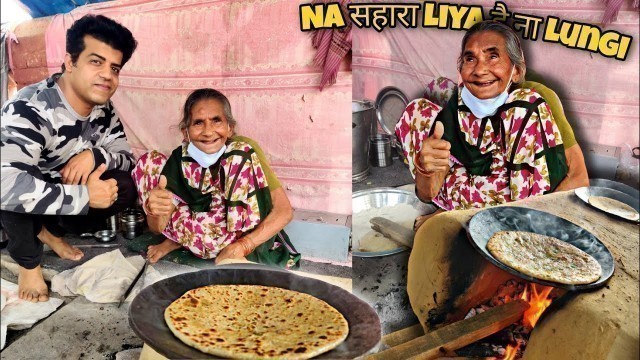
[205, 234]
[462, 190]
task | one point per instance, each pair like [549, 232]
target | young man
[65, 162]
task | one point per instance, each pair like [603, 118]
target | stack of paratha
[255, 322]
[544, 257]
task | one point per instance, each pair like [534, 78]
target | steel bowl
[382, 197]
[101, 235]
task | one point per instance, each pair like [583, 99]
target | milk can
[362, 113]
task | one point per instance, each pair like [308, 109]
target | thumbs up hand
[434, 154]
[438, 131]
[159, 202]
[102, 193]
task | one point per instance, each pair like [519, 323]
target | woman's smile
[484, 83]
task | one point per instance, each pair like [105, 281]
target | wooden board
[393, 231]
[402, 336]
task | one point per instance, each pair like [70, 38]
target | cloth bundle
[105, 278]
[18, 314]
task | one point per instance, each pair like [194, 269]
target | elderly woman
[493, 142]
[215, 194]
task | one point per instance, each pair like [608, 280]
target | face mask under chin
[202, 158]
[482, 108]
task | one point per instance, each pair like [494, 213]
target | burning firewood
[457, 335]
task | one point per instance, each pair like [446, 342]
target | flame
[510, 352]
[524, 294]
[538, 302]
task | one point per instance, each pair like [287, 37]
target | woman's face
[486, 67]
[209, 128]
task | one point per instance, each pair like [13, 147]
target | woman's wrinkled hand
[232, 251]
[434, 153]
[160, 199]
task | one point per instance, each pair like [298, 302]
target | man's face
[209, 128]
[486, 67]
[94, 77]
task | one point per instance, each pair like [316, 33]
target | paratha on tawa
[255, 322]
[544, 257]
[613, 206]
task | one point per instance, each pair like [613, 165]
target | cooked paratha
[544, 257]
[613, 206]
[255, 322]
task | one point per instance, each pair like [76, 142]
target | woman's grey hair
[205, 94]
[511, 40]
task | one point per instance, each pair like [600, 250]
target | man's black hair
[103, 29]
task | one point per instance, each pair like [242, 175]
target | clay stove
[447, 277]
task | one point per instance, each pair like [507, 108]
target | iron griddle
[146, 313]
[504, 218]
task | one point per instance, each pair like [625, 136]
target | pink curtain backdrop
[255, 53]
[600, 95]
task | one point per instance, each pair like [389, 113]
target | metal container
[131, 223]
[362, 115]
[379, 198]
[380, 150]
[390, 105]
[101, 235]
[113, 223]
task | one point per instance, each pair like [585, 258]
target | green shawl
[480, 164]
[277, 251]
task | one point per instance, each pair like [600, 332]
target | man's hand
[160, 202]
[434, 154]
[78, 168]
[102, 193]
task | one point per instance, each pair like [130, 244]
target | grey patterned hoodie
[39, 133]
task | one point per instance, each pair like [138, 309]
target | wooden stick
[393, 231]
[454, 336]
[402, 336]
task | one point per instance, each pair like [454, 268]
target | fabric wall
[600, 95]
[254, 52]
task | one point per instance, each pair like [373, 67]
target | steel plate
[390, 104]
[605, 183]
[487, 222]
[381, 197]
[585, 192]
[146, 313]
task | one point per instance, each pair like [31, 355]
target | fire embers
[510, 342]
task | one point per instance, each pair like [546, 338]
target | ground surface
[80, 329]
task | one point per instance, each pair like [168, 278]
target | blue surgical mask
[485, 107]
[202, 158]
